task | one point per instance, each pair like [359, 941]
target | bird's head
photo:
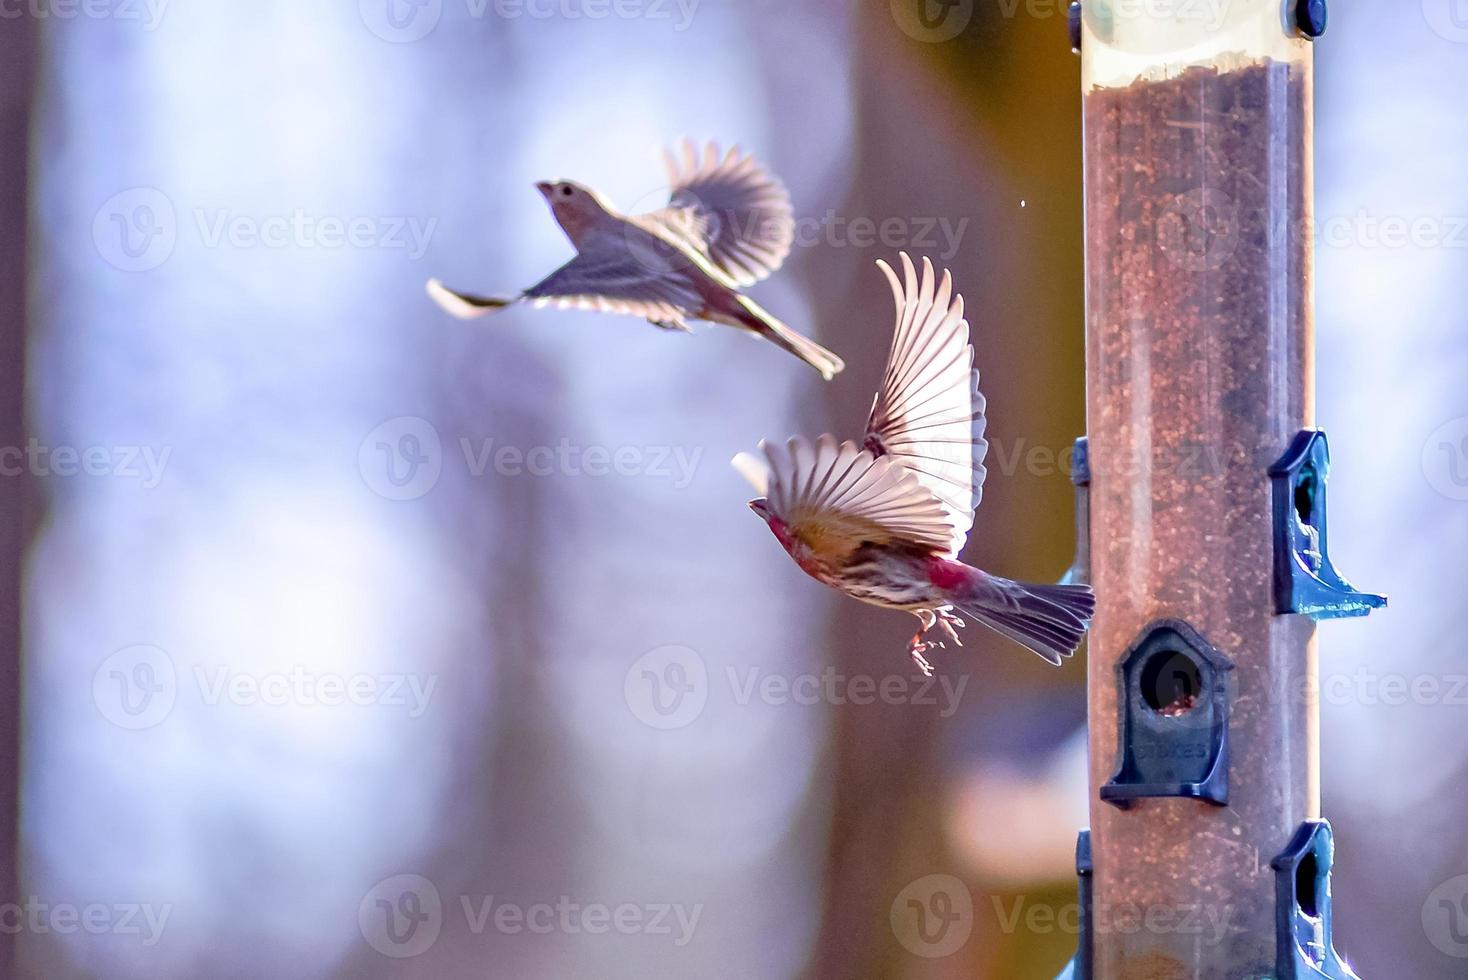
[761, 506]
[576, 206]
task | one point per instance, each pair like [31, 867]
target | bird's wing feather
[465, 306]
[728, 209]
[929, 414]
[613, 280]
[835, 496]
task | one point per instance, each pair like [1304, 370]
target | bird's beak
[544, 186]
[759, 507]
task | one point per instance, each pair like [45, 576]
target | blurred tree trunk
[17, 517]
[986, 140]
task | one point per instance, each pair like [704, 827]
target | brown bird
[884, 521]
[728, 225]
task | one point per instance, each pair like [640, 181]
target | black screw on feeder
[1311, 17]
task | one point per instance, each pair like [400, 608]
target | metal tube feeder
[1206, 857]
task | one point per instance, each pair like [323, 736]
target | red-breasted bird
[884, 520]
[728, 224]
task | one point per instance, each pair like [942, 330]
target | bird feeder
[1205, 857]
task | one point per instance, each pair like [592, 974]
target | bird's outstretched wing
[465, 306]
[929, 415]
[615, 280]
[728, 209]
[837, 496]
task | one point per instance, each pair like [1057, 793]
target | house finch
[727, 225]
[884, 521]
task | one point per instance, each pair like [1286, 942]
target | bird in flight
[884, 520]
[728, 224]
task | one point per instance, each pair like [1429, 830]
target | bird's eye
[566, 190]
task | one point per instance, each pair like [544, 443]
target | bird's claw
[917, 648]
[950, 624]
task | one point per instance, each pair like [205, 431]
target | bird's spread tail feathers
[1048, 619]
[756, 318]
[465, 306]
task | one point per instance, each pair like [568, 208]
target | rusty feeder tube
[1206, 858]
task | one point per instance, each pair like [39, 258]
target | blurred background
[341, 639]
